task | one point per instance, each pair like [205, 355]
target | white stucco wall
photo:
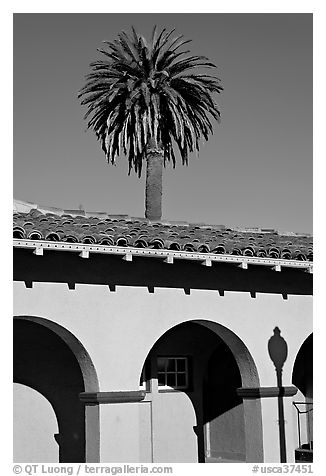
[112, 325]
[34, 427]
[119, 328]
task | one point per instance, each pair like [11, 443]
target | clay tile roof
[77, 226]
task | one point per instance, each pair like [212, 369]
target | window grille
[172, 372]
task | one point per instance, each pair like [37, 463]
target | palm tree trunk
[153, 191]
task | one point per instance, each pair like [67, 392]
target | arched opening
[50, 360]
[302, 378]
[223, 410]
[34, 427]
[191, 375]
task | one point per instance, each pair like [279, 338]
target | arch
[253, 426]
[302, 367]
[302, 378]
[245, 361]
[214, 334]
[52, 361]
[85, 363]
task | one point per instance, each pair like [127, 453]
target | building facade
[139, 341]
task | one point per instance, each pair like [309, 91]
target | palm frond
[142, 93]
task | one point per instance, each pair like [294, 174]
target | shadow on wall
[111, 270]
[278, 351]
[223, 408]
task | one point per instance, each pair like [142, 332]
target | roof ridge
[22, 206]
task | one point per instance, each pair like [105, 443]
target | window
[172, 372]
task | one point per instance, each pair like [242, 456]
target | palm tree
[144, 99]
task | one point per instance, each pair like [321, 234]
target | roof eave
[169, 256]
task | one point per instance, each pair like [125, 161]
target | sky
[255, 171]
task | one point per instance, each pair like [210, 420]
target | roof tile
[78, 226]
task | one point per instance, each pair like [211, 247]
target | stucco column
[119, 424]
[278, 427]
